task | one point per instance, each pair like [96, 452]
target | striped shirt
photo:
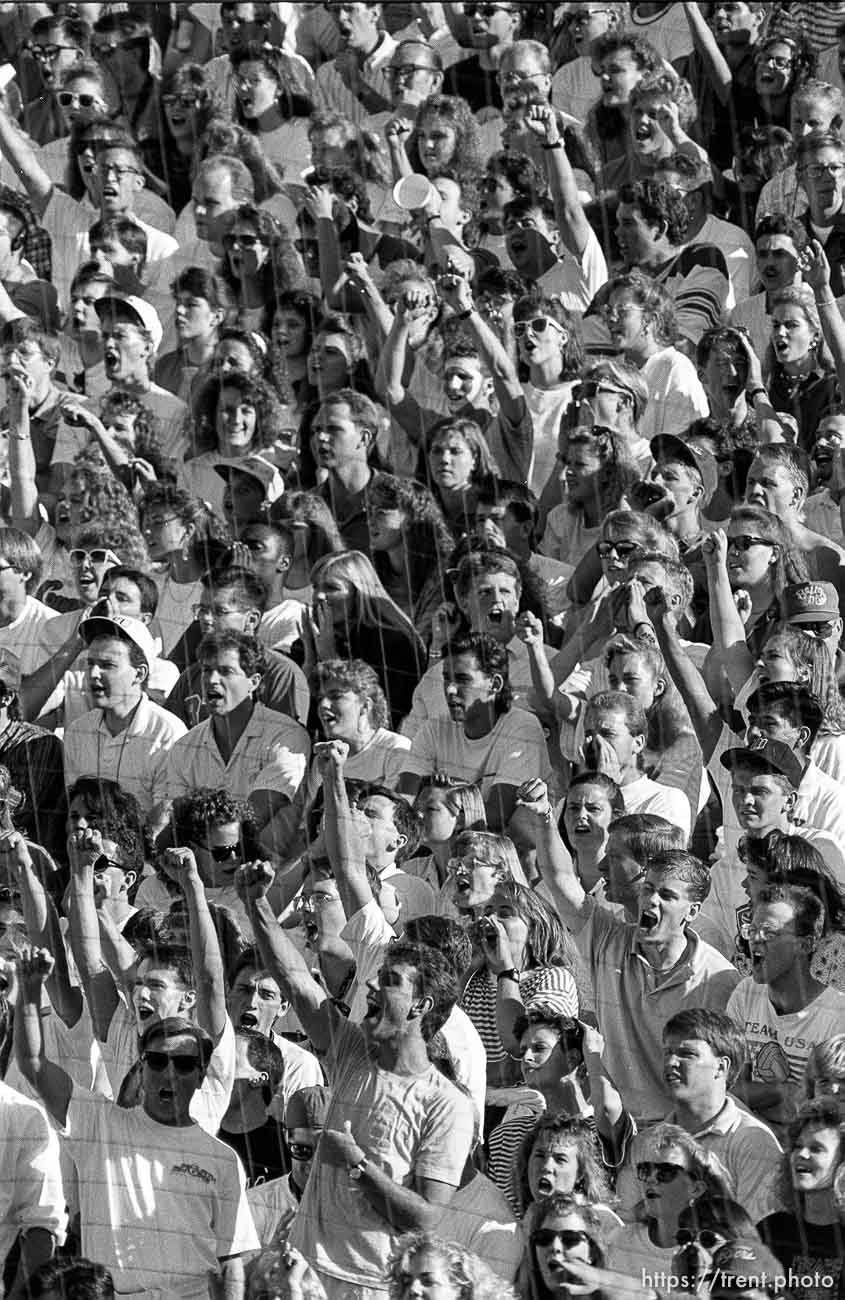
[478, 1000]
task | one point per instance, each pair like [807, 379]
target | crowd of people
[422, 735]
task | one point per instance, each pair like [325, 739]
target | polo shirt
[634, 1001]
[271, 754]
[749, 1151]
[136, 758]
[357, 90]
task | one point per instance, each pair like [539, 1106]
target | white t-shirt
[576, 281]
[22, 640]
[281, 625]
[675, 395]
[647, 796]
[174, 614]
[380, 762]
[160, 1206]
[548, 407]
[513, 752]
[31, 1194]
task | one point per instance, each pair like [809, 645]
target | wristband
[355, 1171]
[558, 144]
[754, 393]
[511, 974]
[827, 301]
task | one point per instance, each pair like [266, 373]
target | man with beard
[376, 1178]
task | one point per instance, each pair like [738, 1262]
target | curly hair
[294, 97]
[521, 172]
[701, 1165]
[824, 1112]
[657, 305]
[210, 536]
[572, 349]
[126, 541]
[225, 138]
[663, 86]
[193, 815]
[356, 676]
[467, 158]
[561, 1204]
[270, 420]
[591, 1181]
[251, 653]
[426, 540]
[145, 441]
[307, 307]
[114, 811]
[659, 204]
[469, 1275]
[192, 79]
[283, 268]
[108, 502]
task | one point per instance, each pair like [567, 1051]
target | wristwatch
[355, 1171]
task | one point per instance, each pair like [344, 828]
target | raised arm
[397, 133]
[378, 312]
[97, 980]
[319, 204]
[343, 842]
[53, 1084]
[206, 958]
[390, 373]
[729, 648]
[700, 705]
[456, 292]
[22, 468]
[282, 959]
[553, 857]
[815, 269]
[572, 221]
[715, 63]
[43, 928]
[22, 156]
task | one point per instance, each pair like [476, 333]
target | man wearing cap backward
[125, 737]
[252, 485]
[688, 476]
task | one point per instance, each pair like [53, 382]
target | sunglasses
[99, 555]
[68, 99]
[181, 101]
[744, 542]
[301, 1151]
[706, 1238]
[408, 69]
[569, 1239]
[47, 53]
[102, 863]
[226, 852]
[538, 325]
[660, 1169]
[241, 241]
[181, 1063]
[484, 11]
[620, 549]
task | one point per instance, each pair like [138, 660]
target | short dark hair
[791, 699]
[72, 1278]
[781, 223]
[118, 813]
[202, 283]
[403, 818]
[491, 657]
[435, 979]
[251, 653]
[170, 1027]
[447, 935]
[809, 912]
[247, 589]
[74, 30]
[685, 867]
[169, 957]
[146, 586]
[619, 702]
[722, 1035]
[659, 204]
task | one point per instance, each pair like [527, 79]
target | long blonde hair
[371, 604]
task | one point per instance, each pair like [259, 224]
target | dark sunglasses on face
[548, 1236]
[622, 549]
[662, 1171]
[706, 1238]
[68, 99]
[225, 852]
[744, 542]
[182, 101]
[102, 863]
[181, 1063]
[483, 11]
[301, 1151]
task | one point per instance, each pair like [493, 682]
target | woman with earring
[551, 359]
[640, 318]
[184, 539]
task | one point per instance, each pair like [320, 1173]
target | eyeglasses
[763, 933]
[315, 902]
[514, 80]
[102, 863]
[211, 611]
[161, 1061]
[582, 18]
[620, 549]
[817, 170]
[538, 325]
[659, 1169]
[408, 69]
[112, 169]
[242, 241]
[47, 53]
[181, 101]
[706, 1238]
[744, 542]
[568, 1238]
[484, 11]
[301, 1151]
[154, 522]
[68, 99]
[226, 852]
[99, 555]
[615, 314]
[775, 61]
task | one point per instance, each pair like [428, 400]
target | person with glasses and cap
[274, 1203]
[155, 1214]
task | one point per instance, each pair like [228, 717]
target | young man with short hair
[778, 481]
[643, 972]
[782, 1009]
[343, 437]
[820, 168]
[779, 241]
[814, 105]
[688, 475]
[357, 82]
[143, 1214]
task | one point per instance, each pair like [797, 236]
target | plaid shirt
[37, 246]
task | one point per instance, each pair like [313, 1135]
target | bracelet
[558, 144]
[355, 1171]
[754, 393]
[827, 301]
[511, 974]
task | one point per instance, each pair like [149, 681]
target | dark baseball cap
[670, 446]
[768, 756]
[810, 602]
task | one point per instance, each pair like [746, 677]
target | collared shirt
[361, 91]
[136, 757]
[271, 754]
[749, 1151]
[634, 1001]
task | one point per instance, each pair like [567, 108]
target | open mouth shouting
[648, 921]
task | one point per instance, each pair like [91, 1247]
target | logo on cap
[812, 596]
[757, 742]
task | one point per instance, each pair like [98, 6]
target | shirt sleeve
[446, 1139]
[421, 758]
[31, 1164]
[285, 768]
[233, 1225]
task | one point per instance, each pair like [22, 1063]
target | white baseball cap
[128, 629]
[130, 308]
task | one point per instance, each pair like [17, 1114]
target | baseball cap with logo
[810, 602]
[134, 310]
[670, 446]
[127, 629]
[768, 756]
